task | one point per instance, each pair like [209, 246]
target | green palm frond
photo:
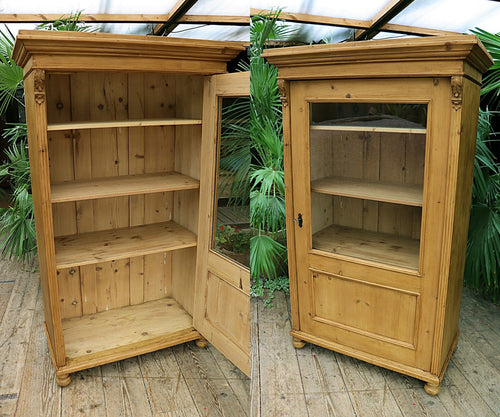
[18, 227]
[70, 22]
[235, 154]
[11, 75]
[491, 82]
[265, 256]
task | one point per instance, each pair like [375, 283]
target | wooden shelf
[408, 194]
[108, 245]
[372, 246]
[418, 131]
[124, 332]
[121, 123]
[120, 186]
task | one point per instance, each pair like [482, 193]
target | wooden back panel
[97, 153]
[396, 158]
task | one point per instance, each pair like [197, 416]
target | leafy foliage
[491, 82]
[17, 227]
[17, 221]
[482, 265]
[235, 154]
[267, 201]
[11, 75]
[271, 285]
[70, 22]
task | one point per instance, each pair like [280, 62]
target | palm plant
[70, 23]
[235, 153]
[17, 227]
[11, 75]
[267, 202]
[482, 265]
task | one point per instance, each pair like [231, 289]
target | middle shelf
[408, 194]
[107, 245]
[121, 186]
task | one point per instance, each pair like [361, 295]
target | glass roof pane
[448, 15]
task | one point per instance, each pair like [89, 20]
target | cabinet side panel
[465, 130]
[189, 104]
[40, 182]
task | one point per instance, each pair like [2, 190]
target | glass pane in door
[232, 233]
[367, 173]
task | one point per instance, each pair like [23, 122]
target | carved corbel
[282, 86]
[456, 92]
[39, 76]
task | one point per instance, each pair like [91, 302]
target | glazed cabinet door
[369, 162]
[222, 295]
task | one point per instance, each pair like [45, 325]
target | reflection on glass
[231, 223]
[367, 173]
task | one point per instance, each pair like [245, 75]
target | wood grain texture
[378, 247]
[428, 232]
[53, 127]
[107, 245]
[121, 186]
[222, 299]
[124, 326]
[391, 193]
[36, 111]
[16, 327]
[381, 53]
[342, 128]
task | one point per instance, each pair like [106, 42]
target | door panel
[222, 300]
[366, 252]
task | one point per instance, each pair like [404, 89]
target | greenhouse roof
[225, 19]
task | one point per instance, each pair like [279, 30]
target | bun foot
[63, 380]
[432, 388]
[298, 343]
[201, 342]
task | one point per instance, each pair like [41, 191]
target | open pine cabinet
[123, 138]
[379, 143]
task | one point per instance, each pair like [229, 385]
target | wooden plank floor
[180, 381]
[316, 382]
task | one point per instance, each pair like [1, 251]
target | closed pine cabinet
[379, 141]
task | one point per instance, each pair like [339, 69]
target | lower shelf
[125, 332]
[373, 246]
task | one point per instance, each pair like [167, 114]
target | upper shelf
[107, 245]
[419, 131]
[408, 194]
[121, 186]
[122, 123]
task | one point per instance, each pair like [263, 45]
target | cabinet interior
[367, 173]
[124, 155]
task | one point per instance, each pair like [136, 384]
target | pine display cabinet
[122, 141]
[379, 141]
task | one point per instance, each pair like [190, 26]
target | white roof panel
[449, 15]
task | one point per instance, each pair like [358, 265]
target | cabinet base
[433, 381]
